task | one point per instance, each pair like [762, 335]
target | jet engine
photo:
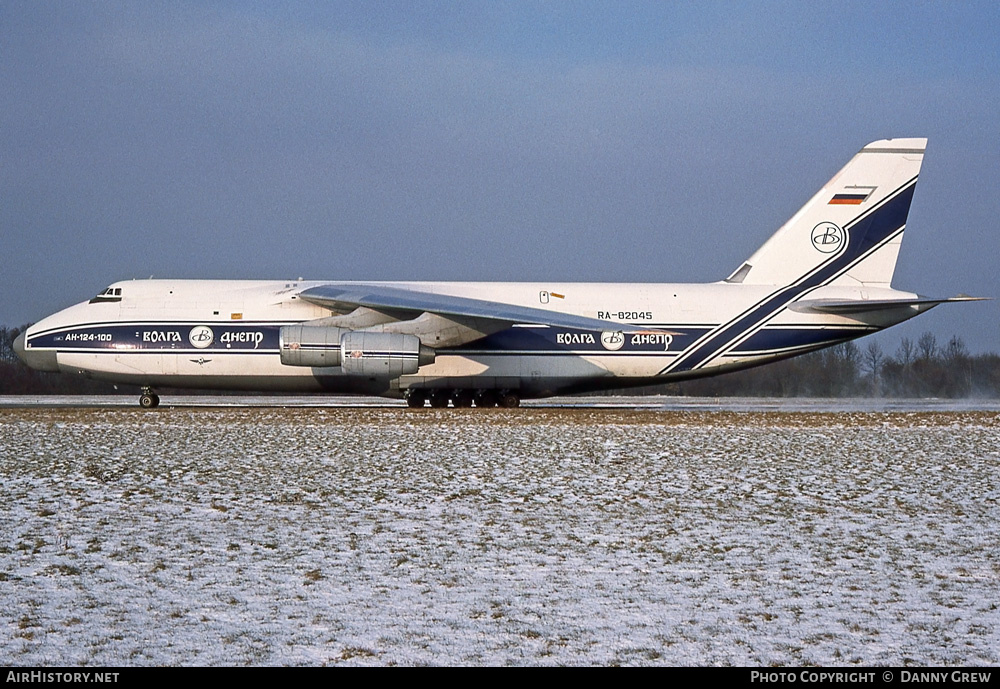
[357, 352]
[384, 355]
[310, 345]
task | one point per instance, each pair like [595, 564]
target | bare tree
[873, 364]
[956, 351]
[928, 346]
[906, 351]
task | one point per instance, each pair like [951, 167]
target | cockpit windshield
[110, 294]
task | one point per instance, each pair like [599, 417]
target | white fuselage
[224, 335]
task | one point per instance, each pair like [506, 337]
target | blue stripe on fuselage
[520, 341]
[544, 339]
[160, 337]
[773, 340]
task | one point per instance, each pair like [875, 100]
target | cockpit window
[110, 294]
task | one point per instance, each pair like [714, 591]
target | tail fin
[851, 230]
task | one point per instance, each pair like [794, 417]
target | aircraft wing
[347, 296]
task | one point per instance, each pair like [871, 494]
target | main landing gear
[439, 399]
[148, 399]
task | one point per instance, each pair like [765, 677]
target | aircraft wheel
[415, 401]
[486, 398]
[461, 398]
[439, 400]
[509, 400]
[148, 400]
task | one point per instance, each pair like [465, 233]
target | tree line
[923, 368]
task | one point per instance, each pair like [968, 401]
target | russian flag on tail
[852, 196]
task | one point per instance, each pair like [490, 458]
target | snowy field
[379, 535]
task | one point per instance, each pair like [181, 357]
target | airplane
[822, 279]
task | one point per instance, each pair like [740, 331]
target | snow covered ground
[373, 535]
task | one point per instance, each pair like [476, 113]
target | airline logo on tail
[827, 237]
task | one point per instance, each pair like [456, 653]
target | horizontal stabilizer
[856, 306]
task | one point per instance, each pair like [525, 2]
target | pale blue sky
[622, 141]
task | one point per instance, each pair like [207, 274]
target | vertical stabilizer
[851, 230]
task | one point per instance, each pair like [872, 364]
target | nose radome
[19, 347]
[39, 360]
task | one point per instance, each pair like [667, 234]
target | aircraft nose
[19, 347]
[38, 360]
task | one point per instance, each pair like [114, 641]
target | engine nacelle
[310, 345]
[358, 353]
[382, 355]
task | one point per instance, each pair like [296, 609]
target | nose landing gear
[148, 399]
